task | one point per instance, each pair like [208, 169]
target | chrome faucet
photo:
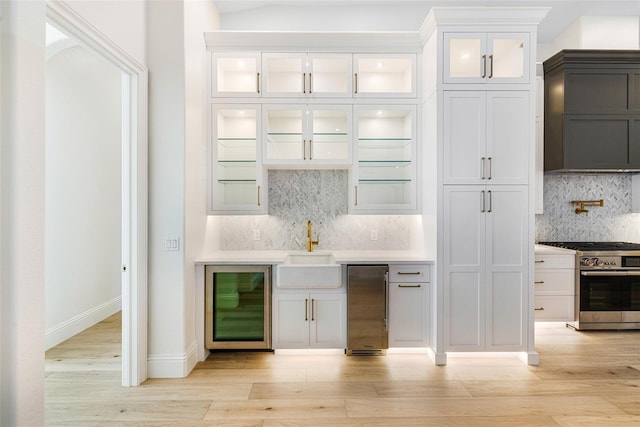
[310, 241]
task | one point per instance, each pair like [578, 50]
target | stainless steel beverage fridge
[238, 307]
[367, 309]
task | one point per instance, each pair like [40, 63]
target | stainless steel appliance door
[367, 313]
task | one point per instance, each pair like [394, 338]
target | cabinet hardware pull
[483, 202]
[539, 282]
[491, 63]
[124, 268]
[304, 149]
[310, 148]
[490, 167]
[539, 309]
[306, 309]
[484, 68]
[386, 301]
[313, 316]
[409, 286]
[310, 83]
[259, 202]
[304, 82]
[490, 201]
[355, 79]
[356, 187]
[483, 166]
[258, 82]
[409, 272]
[539, 261]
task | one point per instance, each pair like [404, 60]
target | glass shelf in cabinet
[384, 181]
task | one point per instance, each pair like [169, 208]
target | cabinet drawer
[555, 282]
[554, 308]
[409, 273]
[555, 261]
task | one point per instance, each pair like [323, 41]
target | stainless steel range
[607, 284]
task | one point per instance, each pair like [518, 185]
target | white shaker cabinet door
[328, 327]
[290, 322]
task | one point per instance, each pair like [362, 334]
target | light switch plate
[172, 244]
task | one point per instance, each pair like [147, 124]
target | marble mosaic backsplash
[296, 196]
[612, 222]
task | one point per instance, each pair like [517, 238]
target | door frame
[134, 185]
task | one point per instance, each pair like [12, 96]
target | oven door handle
[610, 273]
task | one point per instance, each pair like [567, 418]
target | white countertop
[552, 250]
[341, 257]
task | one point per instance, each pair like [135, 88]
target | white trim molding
[173, 365]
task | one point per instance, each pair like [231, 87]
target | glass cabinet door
[392, 75]
[236, 171]
[385, 173]
[486, 58]
[235, 75]
[307, 75]
[305, 135]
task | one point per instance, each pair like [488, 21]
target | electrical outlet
[256, 234]
[374, 234]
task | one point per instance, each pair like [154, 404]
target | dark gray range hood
[592, 111]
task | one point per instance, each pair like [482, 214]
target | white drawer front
[555, 261]
[554, 308]
[409, 273]
[555, 282]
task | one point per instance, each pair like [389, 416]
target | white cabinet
[307, 74]
[485, 262]
[486, 136]
[307, 135]
[383, 176]
[486, 57]
[309, 320]
[384, 76]
[555, 278]
[539, 177]
[409, 305]
[235, 75]
[236, 175]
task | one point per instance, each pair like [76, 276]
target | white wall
[83, 192]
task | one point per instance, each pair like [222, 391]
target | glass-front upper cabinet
[384, 76]
[235, 75]
[306, 75]
[307, 135]
[384, 173]
[236, 177]
[486, 58]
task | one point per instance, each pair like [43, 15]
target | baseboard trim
[73, 326]
[172, 365]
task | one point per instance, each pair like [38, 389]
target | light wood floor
[584, 379]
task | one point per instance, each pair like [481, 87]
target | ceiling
[562, 14]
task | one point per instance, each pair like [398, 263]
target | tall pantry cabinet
[479, 104]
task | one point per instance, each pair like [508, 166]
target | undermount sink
[309, 270]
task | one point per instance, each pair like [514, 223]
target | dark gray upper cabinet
[592, 111]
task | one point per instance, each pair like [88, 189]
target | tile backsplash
[612, 222]
[296, 196]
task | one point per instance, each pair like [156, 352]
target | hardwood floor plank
[398, 389]
[552, 388]
[277, 409]
[526, 421]
[327, 390]
[612, 421]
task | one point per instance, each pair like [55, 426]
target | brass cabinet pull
[409, 286]
[484, 67]
[313, 301]
[310, 148]
[356, 204]
[482, 197]
[483, 166]
[490, 167]
[355, 79]
[409, 272]
[306, 309]
[539, 309]
[539, 261]
[539, 282]
[259, 203]
[304, 149]
[490, 201]
[304, 82]
[491, 63]
[258, 82]
[310, 83]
